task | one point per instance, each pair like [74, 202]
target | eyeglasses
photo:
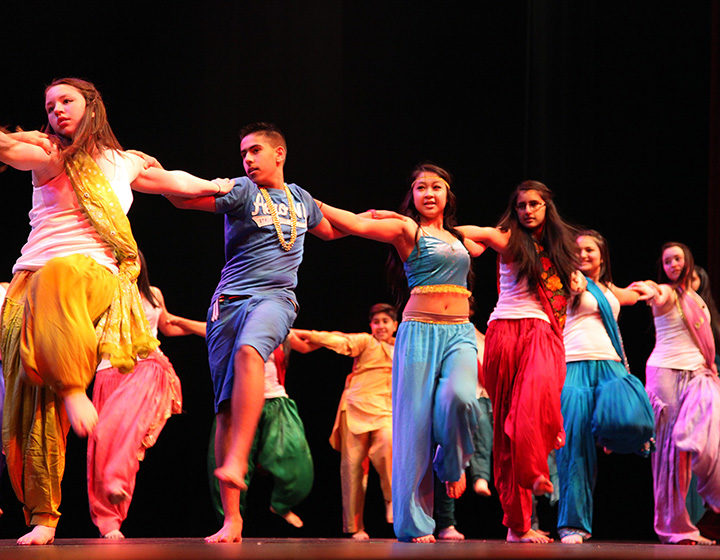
[531, 206]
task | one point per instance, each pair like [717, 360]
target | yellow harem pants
[49, 349]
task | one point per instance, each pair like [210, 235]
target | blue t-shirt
[255, 263]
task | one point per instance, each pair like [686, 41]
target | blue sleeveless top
[434, 261]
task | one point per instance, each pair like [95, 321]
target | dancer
[254, 304]
[444, 510]
[3, 291]
[280, 446]
[435, 358]
[700, 282]
[132, 411]
[73, 295]
[524, 361]
[602, 402]
[684, 390]
[362, 432]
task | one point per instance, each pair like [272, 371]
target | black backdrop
[606, 102]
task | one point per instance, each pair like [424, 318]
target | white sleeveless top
[59, 227]
[273, 389]
[516, 300]
[585, 335]
[674, 345]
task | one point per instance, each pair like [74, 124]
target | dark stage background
[606, 102]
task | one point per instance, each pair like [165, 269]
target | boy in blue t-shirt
[254, 305]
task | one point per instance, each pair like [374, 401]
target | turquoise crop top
[435, 262]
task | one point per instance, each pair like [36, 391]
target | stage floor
[327, 549]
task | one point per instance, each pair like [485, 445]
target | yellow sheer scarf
[123, 331]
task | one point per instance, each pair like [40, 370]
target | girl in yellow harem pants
[46, 356]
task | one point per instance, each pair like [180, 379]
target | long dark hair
[558, 238]
[143, 282]
[395, 269]
[705, 293]
[685, 274]
[93, 133]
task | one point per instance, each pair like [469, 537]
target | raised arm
[26, 156]
[395, 231]
[488, 236]
[172, 325]
[155, 180]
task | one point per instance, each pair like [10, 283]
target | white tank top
[585, 335]
[674, 345]
[515, 300]
[273, 388]
[59, 227]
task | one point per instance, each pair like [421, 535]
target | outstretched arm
[637, 291]
[172, 325]
[488, 236]
[203, 203]
[24, 155]
[346, 344]
[390, 230]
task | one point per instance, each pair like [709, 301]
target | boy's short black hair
[270, 130]
[383, 308]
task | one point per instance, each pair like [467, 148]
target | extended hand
[225, 185]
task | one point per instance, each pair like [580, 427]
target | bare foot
[531, 536]
[41, 534]
[388, 512]
[424, 539]
[360, 536]
[450, 534]
[704, 541]
[81, 412]
[114, 535]
[572, 538]
[290, 517]
[231, 475]
[117, 495]
[231, 532]
[542, 486]
[456, 489]
[481, 487]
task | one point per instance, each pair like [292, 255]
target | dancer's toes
[290, 517]
[456, 489]
[360, 536]
[530, 536]
[231, 532]
[542, 486]
[81, 413]
[231, 475]
[450, 534]
[424, 539]
[41, 534]
[115, 534]
[572, 538]
[704, 541]
[481, 487]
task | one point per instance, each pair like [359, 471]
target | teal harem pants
[433, 398]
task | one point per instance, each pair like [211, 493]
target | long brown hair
[601, 242]
[558, 238]
[143, 282]
[93, 133]
[395, 269]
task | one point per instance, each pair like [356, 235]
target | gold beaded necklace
[286, 245]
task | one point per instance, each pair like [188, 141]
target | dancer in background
[479, 469]
[362, 432]
[132, 411]
[602, 402]
[524, 361]
[73, 296]
[700, 282]
[684, 390]
[280, 446]
[435, 357]
[3, 291]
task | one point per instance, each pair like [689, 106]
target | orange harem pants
[524, 369]
[49, 349]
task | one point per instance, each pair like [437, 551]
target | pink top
[59, 227]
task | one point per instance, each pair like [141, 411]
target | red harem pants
[524, 374]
